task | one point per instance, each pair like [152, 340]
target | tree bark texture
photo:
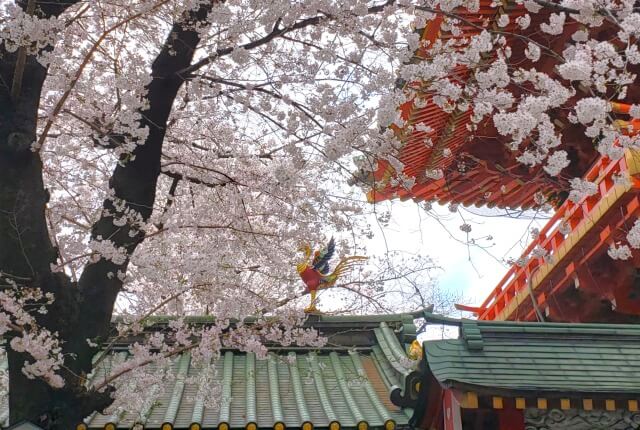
[81, 311]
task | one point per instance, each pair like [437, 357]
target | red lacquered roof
[466, 179]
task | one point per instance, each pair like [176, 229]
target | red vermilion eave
[473, 173]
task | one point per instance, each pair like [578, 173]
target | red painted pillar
[511, 419]
[451, 412]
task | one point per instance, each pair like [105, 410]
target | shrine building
[575, 280]
[500, 375]
[505, 375]
[553, 346]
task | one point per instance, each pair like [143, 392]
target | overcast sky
[472, 270]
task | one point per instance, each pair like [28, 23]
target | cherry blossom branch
[105, 351]
[75, 222]
[278, 124]
[346, 60]
[20, 278]
[211, 227]
[169, 201]
[229, 179]
[59, 105]
[306, 111]
[76, 258]
[95, 126]
[356, 291]
[556, 6]
[226, 156]
[21, 61]
[108, 380]
[492, 30]
[274, 34]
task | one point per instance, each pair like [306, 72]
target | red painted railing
[572, 216]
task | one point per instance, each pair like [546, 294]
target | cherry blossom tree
[169, 157]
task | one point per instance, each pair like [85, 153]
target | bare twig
[21, 61]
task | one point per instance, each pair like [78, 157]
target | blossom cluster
[19, 307]
[532, 104]
[150, 363]
[22, 30]
[623, 251]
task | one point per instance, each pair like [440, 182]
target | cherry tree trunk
[81, 310]
[26, 251]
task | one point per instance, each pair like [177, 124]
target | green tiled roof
[351, 382]
[542, 357]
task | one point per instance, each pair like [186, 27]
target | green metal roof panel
[350, 394]
[543, 357]
[349, 382]
[329, 385]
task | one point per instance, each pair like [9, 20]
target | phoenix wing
[321, 258]
[345, 265]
